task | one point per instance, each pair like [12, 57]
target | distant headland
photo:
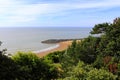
[53, 41]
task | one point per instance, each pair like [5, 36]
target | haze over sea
[29, 39]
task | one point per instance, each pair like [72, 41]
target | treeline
[26, 66]
[93, 58]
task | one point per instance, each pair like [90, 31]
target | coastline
[46, 49]
[62, 46]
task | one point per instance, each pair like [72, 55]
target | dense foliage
[102, 52]
[96, 57]
[34, 68]
[8, 69]
[26, 66]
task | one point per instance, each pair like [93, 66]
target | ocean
[29, 39]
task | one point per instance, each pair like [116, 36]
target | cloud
[15, 12]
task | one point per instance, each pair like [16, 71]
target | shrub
[100, 74]
[34, 68]
[8, 69]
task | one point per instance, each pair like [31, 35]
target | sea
[29, 38]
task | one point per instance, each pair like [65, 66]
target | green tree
[87, 50]
[34, 68]
[110, 40]
[109, 44]
[98, 63]
[8, 69]
[54, 57]
[100, 74]
[77, 72]
[100, 28]
[87, 72]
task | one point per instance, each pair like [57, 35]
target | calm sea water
[29, 39]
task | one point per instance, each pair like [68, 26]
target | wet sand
[62, 46]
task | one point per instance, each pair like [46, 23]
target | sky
[57, 13]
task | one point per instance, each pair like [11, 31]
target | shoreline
[46, 49]
[62, 46]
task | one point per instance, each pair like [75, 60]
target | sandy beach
[62, 46]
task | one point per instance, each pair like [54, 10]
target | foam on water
[47, 49]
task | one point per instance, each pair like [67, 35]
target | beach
[30, 39]
[62, 46]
